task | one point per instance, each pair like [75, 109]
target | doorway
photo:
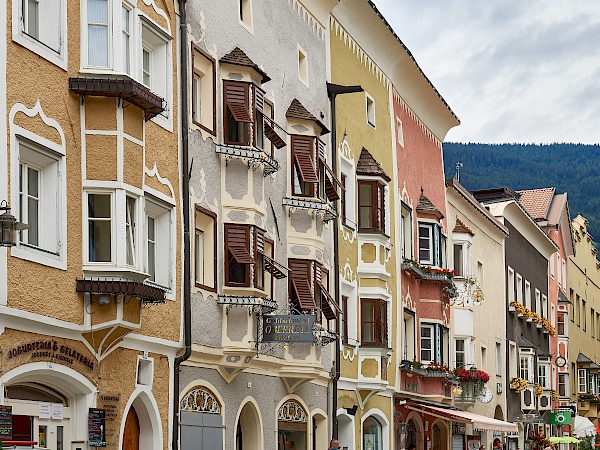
[131, 433]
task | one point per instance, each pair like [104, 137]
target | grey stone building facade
[262, 194]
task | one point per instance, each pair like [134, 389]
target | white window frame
[246, 17]
[462, 240]
[409, 336]
[436, 243]
[520, 289]
[347, 168]
[526, 366]
[513, 359]
[465, 352]
[499, 360]
[406, 225]
[399, 132]
[303, 66]
[559, 272]
[582, 381]
[60, 57]
[370, 110]
[432, 338]
[33, 149]
[564, 270]
[566, 383]
[552, 264]
[528, 295]
[543, 374]
[163, 214]
[510, 279]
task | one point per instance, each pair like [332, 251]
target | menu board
[110, 403]
[96, 428]
[5, 423]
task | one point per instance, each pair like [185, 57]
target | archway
[320, 435]
[201, 419]
[248, 430]
[145, 410]
[372, 434]
[292, 426]
[131, 434]
[414, 431]
[439, 436]
[346, 429]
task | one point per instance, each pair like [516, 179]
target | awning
[582, 427]
[480, 423]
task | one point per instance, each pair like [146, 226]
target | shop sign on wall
[5, 423]
[110, 404]
[96, 427]
[289, 328]
[49, 350]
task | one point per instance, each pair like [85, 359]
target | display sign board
[5, 423]
[560, 418]
[110, 403]
[96, 428]
[289, 328]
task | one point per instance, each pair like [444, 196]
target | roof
[537, 202]
[451, 182]
[386, 23]
[581, 358]
[239, 58]
[367, 165]
[524, 343]
[296, 110]
[462, 228]
[425, 205]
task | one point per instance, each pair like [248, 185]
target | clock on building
[485, 396]
[560, 361]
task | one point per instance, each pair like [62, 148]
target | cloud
[513, 71]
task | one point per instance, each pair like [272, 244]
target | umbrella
[583, 427]
[564, 440]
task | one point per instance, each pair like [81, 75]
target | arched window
[292, 426]
[201, 420]
[372, 435]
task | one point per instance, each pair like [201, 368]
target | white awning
[583, 427]
[480, 423]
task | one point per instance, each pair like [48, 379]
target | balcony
[426, 273]
[255, 157]
[319, 208]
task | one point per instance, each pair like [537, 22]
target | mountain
[571, 168]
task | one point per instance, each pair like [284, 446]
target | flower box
[529, 319]
[545, 331]
[538, 325]
[511, 309]
[519, 315]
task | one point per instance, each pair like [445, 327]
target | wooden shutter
[272, 135]
[330, 187]
[259, 236]
[302, 149]
[237, 238]
[382, 306]
[259, 99]
[328, 305]
[300, 270]
[236, 99]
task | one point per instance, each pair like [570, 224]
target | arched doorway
[320, 436]
[248, 432]
[346, 431]
[292, 427]
[411, 433]
[200, 420]
[372, 434]
[439, 437]
[131, 434]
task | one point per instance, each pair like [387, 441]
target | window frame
[464, 352]
[303, 74]
[409, 354]
[308, 189]
[247, 278]
[407, 230]
[380, 327]
[543, 374]
[582, 381]
[113, 262]
[527, 371]
[431, 338]
[376, 208]
[565, 384]
[163, 214]
[370, 110]
[437, 243]
[344, 319]
[196, 71]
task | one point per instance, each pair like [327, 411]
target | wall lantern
[9, 226]
[473, 371]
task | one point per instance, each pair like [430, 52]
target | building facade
[263, 198]
[89, 312]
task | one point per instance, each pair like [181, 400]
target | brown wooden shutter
[320, 147]
[238, 243]
[328, 305]
[236, 99]
[278, 271]
[272, 135]
[382, 306]
[259, 235]
[302, 148]
[259, 98]
[301, 283]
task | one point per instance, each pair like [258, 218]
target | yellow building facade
[90, 294]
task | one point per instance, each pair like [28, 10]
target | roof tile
[239, 58]
[425, 205]
[537, 202]
[297, 110]
[367, 165]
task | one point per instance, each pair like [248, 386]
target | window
[399, 132]
[302, 66]
[29, 204]
[499, 359]
[510, 285]
[520, 289]
[484, 358]
[40, 26]
[460, 353]
[203, 90]
[561, 328]
[538, 304]
[544, 374]
[130, 231]
[308, 288]
[480, 273]
[563, 384]
[159, 242]
[544, 312]
[238, 255]
[126, 31]
[513, 365]
[577, 309]
[552, 264]
[462, 258]
[409, 335]
[98, 32]
[372, 434]
[582, 380]
[304, 169]
[370, 109]
[245, 12]
[343, 203]
[237, 112]
[427, 343]
[371, 206]
[373, 322]
[406, 229]
[564, 271]
[526, 369]
[99, 213]
[583, 314]
[592, 325]
[155, 57]
[344, 320]
[528, 297]
[558, 263]
[431, 244]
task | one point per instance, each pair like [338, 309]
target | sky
[512, 70]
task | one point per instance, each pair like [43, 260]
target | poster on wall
[5, 423]
[96, 427]
[473, 442]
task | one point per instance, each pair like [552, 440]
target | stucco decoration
[201, 199]
[161, 12]
[405, 197]
[347, 273]
[35, 111]
[359, 53]
[409, 303]
[200, 400]
[292, 411]
[308, 18]
[347, 157]
[419, 122]
[164, 181]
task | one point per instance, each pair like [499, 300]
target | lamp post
[9, 226]
[333, 90]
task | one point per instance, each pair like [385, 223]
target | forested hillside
[571, 168]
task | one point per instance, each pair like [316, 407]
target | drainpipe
[332, 91]
[185, 192]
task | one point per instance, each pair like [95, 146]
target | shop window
[373, 322]
[372, 434]
[371, 206]
[40, 26]
[205, 239]
[370, 110]
[203, 90]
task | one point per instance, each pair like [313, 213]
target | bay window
[462, 258]
[371, 206]
[432, 244]
[526, 368]
[460, 353]
[100, 216]
[98, 31]
[373, 322]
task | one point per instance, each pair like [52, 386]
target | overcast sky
[512, 70]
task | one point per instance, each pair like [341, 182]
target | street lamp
[9, 226]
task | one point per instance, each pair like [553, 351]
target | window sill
[39, 256]
[56, 58]
[243, 291]
[119, 273]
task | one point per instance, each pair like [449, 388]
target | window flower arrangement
[435, 367]
[587, 397]
[536, 318]
[465, 375]
[539, 389]
[548, 327]
[520, 308]
[518, 384]
[555, 396]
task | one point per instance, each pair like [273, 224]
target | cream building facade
[89, 295]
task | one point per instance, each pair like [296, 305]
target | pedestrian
[335, 445]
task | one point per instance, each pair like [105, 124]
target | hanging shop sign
[289, 328]
[96, 427]
[49, 350]
[560, 418]
[5, 423]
